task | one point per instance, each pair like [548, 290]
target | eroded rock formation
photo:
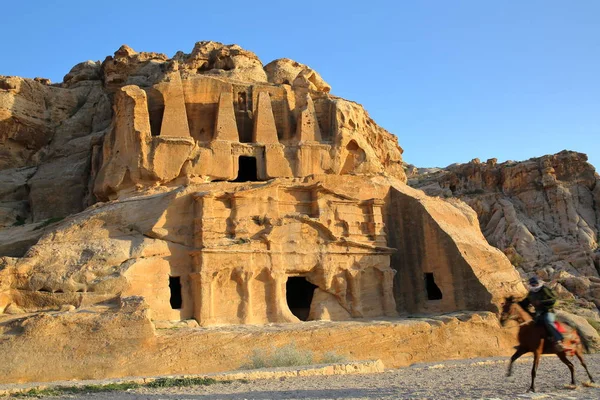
[207, 190]
[543, 213]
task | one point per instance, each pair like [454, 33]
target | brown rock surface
[53, 129]
[147, 191]
[543, 213]
[98, 343]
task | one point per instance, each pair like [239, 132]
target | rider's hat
[535, 282]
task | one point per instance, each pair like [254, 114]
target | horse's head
[507, 310]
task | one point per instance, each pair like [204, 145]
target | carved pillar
[376, 225]
[336, 281]
[278, 301]
[202, 294]
[265, 130]
[387, 291]
[203, 211]
[225, 124]
[353, 276]
[239, 204]
[340, 287]
[307, 128]
[174, 122]
[243, 277]
[314, 198]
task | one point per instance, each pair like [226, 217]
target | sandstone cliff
[543, 213]
[51, 135]
[208, 190]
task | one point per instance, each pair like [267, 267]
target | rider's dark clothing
[543, 300]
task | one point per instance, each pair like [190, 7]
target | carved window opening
[433, 291]
[175, 286]
[355, 157]
[156, 110]
[156, 117]
[299, 295]
[247, 171]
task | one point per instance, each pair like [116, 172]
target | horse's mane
[525, 308]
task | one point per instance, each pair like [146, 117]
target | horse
[533, 338]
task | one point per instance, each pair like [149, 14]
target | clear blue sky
[454, 80]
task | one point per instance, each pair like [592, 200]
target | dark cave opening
[175, 286]
[299, 295]
[433, 291]
[247, 171]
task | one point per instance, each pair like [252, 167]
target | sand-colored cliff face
[102, 278]
[197, 125]
[51, 136]
[206, 190]
[543, 213]
[46, 137]
[228, 236]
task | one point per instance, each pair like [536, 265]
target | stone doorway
[247, 171]
[299, 295]
[433, 291]
[176, 299]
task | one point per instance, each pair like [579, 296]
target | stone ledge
[354, 367]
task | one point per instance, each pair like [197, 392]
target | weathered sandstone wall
[441, 239]
[93, 344]
[543, 213]
[209, 193]
[132, 247]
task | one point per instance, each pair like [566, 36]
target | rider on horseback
[543, 298]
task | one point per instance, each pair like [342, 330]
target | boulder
[284, 71]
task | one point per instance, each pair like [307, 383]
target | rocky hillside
[543, 213]
[52, 136]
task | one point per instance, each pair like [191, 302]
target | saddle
[560, 327]
[570, 337]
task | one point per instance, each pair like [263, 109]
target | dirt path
[469, 379]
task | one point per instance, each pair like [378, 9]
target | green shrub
[331, 357]
[48, 222]
[63, 390]
[288, 356]
[112, 387]
[181, 382]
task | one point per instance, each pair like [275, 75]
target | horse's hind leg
[514, 357]
[564, 359]
[536, 361]
[580, 357]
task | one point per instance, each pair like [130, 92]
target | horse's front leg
[514, 357]
[536, 362]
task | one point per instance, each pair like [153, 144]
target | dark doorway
[433, 291]
[175, 286]
[247, 170]
[299, 295]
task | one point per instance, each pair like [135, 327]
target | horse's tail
[585, 342]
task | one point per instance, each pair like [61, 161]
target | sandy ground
[468, 379]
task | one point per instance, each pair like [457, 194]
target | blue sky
[454, 80]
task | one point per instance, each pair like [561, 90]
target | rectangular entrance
[247, 169]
